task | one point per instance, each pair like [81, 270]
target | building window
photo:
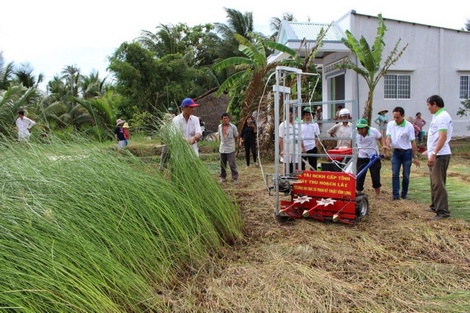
[464, 87]
[397, 86]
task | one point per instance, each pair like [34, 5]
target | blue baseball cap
[188, 102]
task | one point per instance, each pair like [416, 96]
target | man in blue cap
[189, 123]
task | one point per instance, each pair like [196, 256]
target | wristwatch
[432, 152]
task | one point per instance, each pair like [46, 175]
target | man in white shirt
[23, 125]
[342, 130]
[290, 142]
[366, 141]
[401, 138]
[438, 152]
[228, 134]
[188, 123]
[310, 133]
[318, 117]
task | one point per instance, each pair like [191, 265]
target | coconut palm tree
[100, 113]
[13, 99]
[60, 106]
[24, 75]
[275, 23]
[92, 86]
[370, 59]
[250, 73]
[18, 90]
[71, 75]
[167, 40]
[6, 72]
[237, 23]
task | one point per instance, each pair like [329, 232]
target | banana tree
[245, 86]
[370, 59]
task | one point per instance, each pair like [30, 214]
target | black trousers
[374, 170]
[250, 147]
[312, 160]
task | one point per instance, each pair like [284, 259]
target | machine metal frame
[321, 195]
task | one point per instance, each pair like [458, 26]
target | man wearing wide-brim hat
[119, 135]
[367, 140]
[382, 121]
[318, 116]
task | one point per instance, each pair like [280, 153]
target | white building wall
[435, 58]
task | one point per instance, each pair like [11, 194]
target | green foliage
[13, 99]
[248, 74]
[6, 73]
[136, 74]
[179, 39]
[102, 112]
[464, 110]
[238, 23]
[144, 122]
[150, 84]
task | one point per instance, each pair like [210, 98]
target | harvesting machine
[327, 193]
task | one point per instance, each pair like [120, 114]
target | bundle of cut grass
[91, 231]
[189, 173]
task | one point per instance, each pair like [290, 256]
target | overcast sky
[52, 34]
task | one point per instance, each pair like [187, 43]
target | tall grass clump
[191, 176]
[83, 229]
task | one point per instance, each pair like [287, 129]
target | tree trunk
[368, 107]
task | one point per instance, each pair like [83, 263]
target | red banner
[326, 184]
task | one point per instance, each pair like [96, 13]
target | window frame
[401, 86]
[462, 87]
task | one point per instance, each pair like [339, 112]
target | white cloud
[52, 34]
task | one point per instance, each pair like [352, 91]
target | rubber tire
[362, 207]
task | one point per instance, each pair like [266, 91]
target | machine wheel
[362, 206]
[282, 219]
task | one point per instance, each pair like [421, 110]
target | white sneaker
[222, 180]
[235, 181]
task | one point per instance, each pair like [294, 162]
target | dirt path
[396, 260]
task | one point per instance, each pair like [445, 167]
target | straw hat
[384, 111]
